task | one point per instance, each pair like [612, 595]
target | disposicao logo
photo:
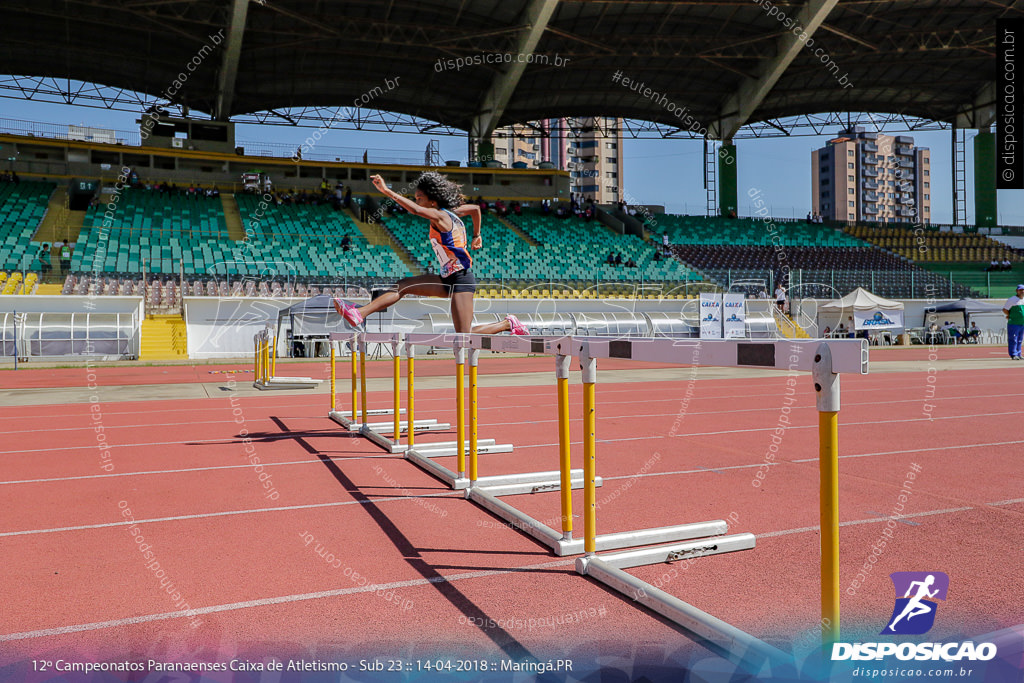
[914, 613]
[917, 596]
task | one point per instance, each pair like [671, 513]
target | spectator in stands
[664, 239]
[841, 330]
[826, 332]
[810, 217]
[517, 208]
[618, 259]
[780, 298]
[1013, 309]
[657, 256]
[611, 259]
[346, 243]
[65, 257]
[763, 294]
[631, 263]
[993, 265]
[562, 211]
[348, 198]
[972, 333]
[44, 260]
[133, 178]
[1007, 265]
[545, 206]
[500, 208]
[440, 202]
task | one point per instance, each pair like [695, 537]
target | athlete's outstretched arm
[409, 205]
[473, 211]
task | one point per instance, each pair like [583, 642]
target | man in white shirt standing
[1013, 309]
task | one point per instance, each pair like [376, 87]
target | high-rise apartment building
[589, 148]
[864, 176]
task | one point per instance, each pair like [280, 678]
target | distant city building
[591, 153]
[863, 176]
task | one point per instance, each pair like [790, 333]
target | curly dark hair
[438, 188]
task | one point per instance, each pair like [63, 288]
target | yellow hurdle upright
[273, 358]
[362, 380]
[396, 371]
[828, 446]
[266, 360]
[562, 375]
[826, 384]
[589, 456]
[353, 345]
[334, 396]
[410, 391]
[460, 409]
[474, 359]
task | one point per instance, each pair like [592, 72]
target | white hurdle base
[485, 497]
[345, 419]
[442, 449]
[752, 654]
[287, 383]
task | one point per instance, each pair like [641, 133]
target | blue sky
[655, 171]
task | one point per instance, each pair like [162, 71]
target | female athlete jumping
[440, 201]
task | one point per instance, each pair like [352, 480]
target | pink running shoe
[348, 312]
[517, 327]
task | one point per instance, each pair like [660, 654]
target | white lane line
[372, 501]
[607, 478]
[284, 599]
[348, 458]
[1012, 501]
[604, 391]
[765, 429]
[917, 450]
[605, 404]
[873, 520]
[195, 469]
[329, 434]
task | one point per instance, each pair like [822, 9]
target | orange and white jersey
[451, 248]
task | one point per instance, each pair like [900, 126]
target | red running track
[333, 544]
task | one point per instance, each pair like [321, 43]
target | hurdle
[348, 418]
[467, 347]
[377, 431]
[265, 366]
[825, 360]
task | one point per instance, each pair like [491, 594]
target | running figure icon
[916, 606]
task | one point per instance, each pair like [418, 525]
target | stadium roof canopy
[727, 62]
